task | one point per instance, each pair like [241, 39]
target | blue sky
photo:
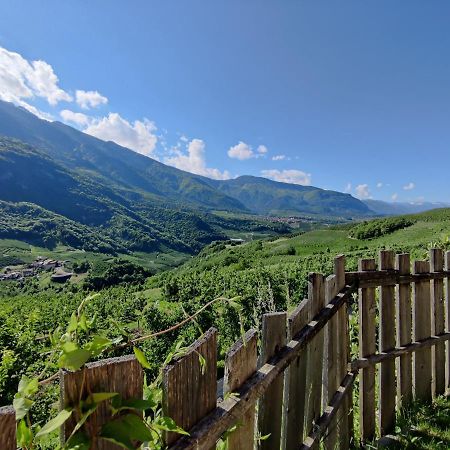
[350, 95]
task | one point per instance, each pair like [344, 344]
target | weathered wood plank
[410, 348]
[189, 388]
[331, 372]
[387, 387]
[367, 347]
[404, 324]
[122, 375]
[240, 363]
[437, 322]
[296, 380]
[422, 330]
[316, 297]
[229, 411]
[345, 415]
[447, 320]
[330, 412]
[385, 277]
[271, 404]
[7, 428]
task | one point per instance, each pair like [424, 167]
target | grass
[422, 426]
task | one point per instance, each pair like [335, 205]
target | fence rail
[298, 391]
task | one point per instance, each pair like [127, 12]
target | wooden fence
[297, 391]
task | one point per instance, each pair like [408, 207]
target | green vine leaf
[125, 430]
[74, 359]
[141, 358]
[55, 423]
[22, 405]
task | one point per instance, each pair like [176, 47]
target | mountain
[269, 197]
[396, 208]
[142, 179]
[42, 199]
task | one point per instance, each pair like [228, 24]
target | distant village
[41, 264]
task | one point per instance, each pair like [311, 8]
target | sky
[352, 96]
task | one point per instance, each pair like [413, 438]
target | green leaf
[74, 360]
[55, 423]
[79, 441]
[22, 405]
[73, 324]
[24, 434]
[202, 361]
[98, 345]
[168, 424]
[125, 430]
[27, 386]
[98, 397]
[132, 404]
[141, 358]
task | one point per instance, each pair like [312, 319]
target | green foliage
[118, 272]
[377, 228]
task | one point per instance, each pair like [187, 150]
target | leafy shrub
[378, 228]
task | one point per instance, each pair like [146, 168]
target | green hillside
[265, 196]
[142, 179]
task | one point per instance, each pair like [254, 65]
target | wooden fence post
[331, 377]
[271, 404]
[422, 330]
[240, 363]
[190, 385]
[447, 321]
[339, 352]
[404, 323]
[316, 298]
[7, 428]
[367, 314]
[387, 342]
[437, 322]
[345, 414]
[296, 380]
[122, 375]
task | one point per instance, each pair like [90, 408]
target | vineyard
[307, 378]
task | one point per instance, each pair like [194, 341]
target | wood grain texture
[240, 363]
[189, 389]
[122, 375]
[7, 428]
[316, 297]
[447, 320]
[270, 409]
[437, 322]
[387, 386]
[296, 381]
[404, 332]
[345, 413]
[422, 330]
[331, 372]
[410, 348]
[367, 347]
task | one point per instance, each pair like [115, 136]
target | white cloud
[75, 117]
[241, 151]
[278, 157]
[194, 161]
[379, 185]
[288, 176]
[90, 99]
[394, 197]
[138, 136]
[348, 188]
[262, 149]
[22, 80]
[409, 186]
[362, 191]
